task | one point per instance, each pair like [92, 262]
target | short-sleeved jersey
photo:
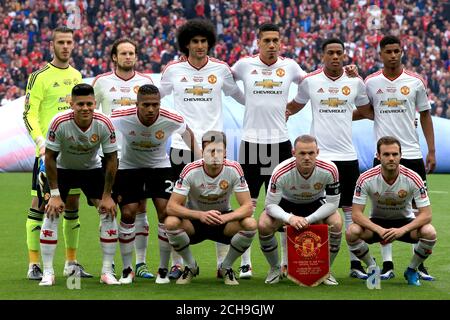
[394, 103]
[332, 104]
[145, 146]
[287, 183]
[197, 94]
[48, 93]
[206, 193]
[78, 149]
[391, 201]
[266, 95]
[112, 92]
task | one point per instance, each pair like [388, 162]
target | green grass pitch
[14, 191]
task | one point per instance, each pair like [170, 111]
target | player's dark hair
[306, 138]
[61, 29]
[389, 40]
[148, 89]
[267, 27]
[330, 41]
[82, 89]
[120, 41]
[388, 140]
[214, 136]
[193, 28]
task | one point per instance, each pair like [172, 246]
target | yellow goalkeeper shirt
[48, 93]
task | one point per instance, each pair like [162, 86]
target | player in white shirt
[391, 188]
[196, 82]
[333, 96]
[145, 171]
[115, 89]
[265, 141]
[72, 161]
[207, 185]
[303, 190]
[395, 93]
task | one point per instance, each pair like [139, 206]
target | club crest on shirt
[402, 193]
[94, 138]
[212, 79]
[346, 90]
[280, 72]
[159, 134]
[223, 184]
[404, 90]
[318, 186]
[136, 89]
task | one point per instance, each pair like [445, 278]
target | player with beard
[119, 88]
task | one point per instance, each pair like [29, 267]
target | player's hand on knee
[298, 222]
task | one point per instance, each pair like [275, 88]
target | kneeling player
[303, 190]
[209, 184]
[391, 188]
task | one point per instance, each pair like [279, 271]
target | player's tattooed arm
[107, 204]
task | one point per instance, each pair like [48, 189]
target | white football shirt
[287, 183]
[142, 146]
[112, 92]
[391, 201]
[206, 193]
[78, 149]
[394, 103]
[332, 103]
[266, 89]
[197, 94]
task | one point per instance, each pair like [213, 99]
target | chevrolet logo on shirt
[333, 102]
[198, 90]
[393, 102]
[124, 101]
[268, 83]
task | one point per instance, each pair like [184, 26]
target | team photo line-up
[109, 141]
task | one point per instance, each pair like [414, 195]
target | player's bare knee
[427, 232]
[72, 202]
[353, 233]
[335, 222]
[172, 223]
[142, 206]
[249, 224]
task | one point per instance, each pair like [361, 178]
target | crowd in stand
[422, 25]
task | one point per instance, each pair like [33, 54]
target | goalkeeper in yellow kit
[48, 93]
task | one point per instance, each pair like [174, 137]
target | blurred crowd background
[423, 26]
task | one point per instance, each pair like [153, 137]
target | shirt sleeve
[183, 185]
[236, 69]
[302, 96]
[239, 182]
[298, 72]
[422, 102]
[109, 138]
[98, 95]
[361, 98]
[229, 85]
[166, 84]
[361, 192]
[53, 141]
[420, 194]
[33, 99]
[274, 192]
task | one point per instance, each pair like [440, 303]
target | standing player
[144, 170]
[303, 191]
[391, 188]
[333, 96]
[208, 184]
[48, 92]
[72, 161]
[395, 94]
[115, 89]
[265, 140]
[197, 82]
